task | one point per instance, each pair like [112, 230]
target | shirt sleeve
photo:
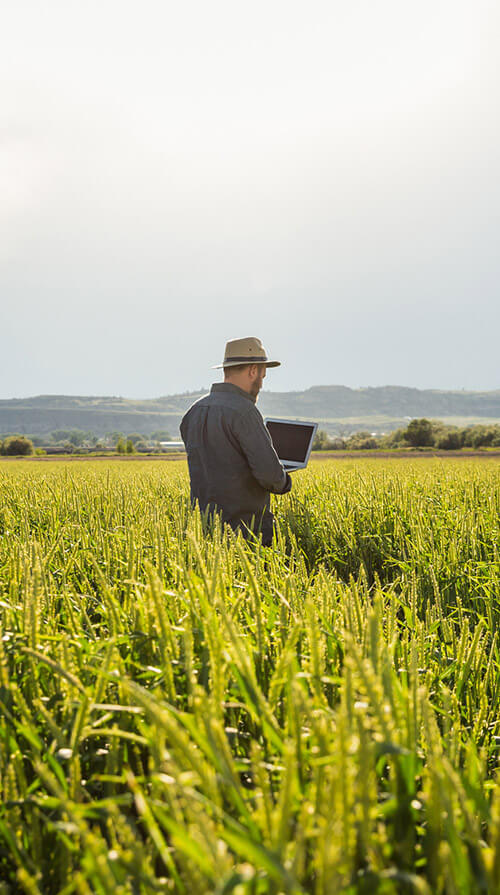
[256, 444]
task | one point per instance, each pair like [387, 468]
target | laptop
[292, 441]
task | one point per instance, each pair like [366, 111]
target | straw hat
[245, 351]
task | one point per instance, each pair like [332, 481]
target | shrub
[483, 436]
[362, 441]
[17, 446]
[321, 441]
[394, 439]
[449, 439]
[337, 443]
[324, 442]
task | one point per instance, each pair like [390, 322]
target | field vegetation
[419, 433]
[181, 711]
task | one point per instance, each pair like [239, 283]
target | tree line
[419, 433]
[74, 440]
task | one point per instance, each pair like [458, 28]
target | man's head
[249, 377]
[245, 364]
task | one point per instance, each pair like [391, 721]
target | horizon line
[205, 389]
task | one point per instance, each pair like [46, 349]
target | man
[232, 462]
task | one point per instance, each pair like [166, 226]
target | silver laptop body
[292, 440]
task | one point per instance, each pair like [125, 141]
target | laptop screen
[291, 440]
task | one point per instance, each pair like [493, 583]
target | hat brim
[239, 363]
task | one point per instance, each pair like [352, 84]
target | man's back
[232, 463]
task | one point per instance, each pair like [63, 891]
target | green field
[183, 712]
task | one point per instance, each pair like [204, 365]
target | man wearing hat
[232, 462]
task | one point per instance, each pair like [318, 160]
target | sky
[322, 175]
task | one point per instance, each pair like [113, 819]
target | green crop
[181, 711]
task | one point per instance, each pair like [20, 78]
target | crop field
[184, 712]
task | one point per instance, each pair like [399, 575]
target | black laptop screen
[290, 440]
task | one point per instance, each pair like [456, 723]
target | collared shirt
[233, 466]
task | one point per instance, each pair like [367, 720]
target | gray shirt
[232, 462]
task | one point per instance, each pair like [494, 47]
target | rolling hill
[337, 408]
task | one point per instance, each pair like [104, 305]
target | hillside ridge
[376, 407]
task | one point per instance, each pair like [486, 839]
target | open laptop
[292, 440]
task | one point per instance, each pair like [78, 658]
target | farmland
[183, 712]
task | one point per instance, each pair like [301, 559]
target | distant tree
[468, 435]
[113, 437]
[17, 446]
[60, 435]
[483, 436]
[136, 438]
[161, 435]
[121, 446]
[321, 441]
[130, 447]
[76, 437]
[362, 441]
[449, 439]
[337, 443]
[397, 438]
[344, 431]
[419, 433]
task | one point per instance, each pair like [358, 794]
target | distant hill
[336, 408]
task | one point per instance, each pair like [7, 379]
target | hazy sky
[324, 175]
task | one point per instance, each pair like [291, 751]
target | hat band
[247, 360]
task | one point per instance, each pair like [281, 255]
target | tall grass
[184, 712]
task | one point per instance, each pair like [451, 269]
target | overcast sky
[324, 175]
